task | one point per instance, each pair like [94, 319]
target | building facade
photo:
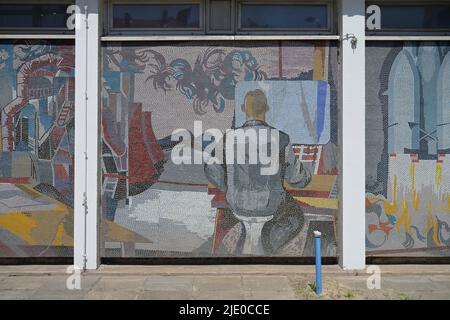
[98, 96]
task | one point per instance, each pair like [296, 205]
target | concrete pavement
[234, 282]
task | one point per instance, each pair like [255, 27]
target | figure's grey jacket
[248, 192]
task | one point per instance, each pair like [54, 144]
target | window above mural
[156, 16]
[408, 17]
[34, 17]
[219, 17]
[284, 16]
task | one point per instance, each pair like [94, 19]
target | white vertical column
[352, 219]
[87, 101]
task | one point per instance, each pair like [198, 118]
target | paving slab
[215, 269]
[266, 283]
[22, 282]
[218, 283]
[166, 295]
[41, 294]
[406, 283]
[270, 295]
[169, 283]
[16, 294]
[439, 283]
[121, 283]
[431, 295]
[112, 295]
[33, 269]
[220, 295]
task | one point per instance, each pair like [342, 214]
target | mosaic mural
[152, 206]
[36, 148]
[408, 149]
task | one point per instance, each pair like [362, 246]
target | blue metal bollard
[317, 235]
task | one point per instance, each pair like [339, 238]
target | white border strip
[218, 37]
[352, 223]
[87, 133]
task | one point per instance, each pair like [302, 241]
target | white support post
[352, 220]
[87, 101]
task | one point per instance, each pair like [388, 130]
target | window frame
[35, 30]
[232, 19]
[110, 30]
[407, 31]
[316, 31]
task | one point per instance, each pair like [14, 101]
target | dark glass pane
[156, 16]
[415, 17]
[256, 16]
[33, 16]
